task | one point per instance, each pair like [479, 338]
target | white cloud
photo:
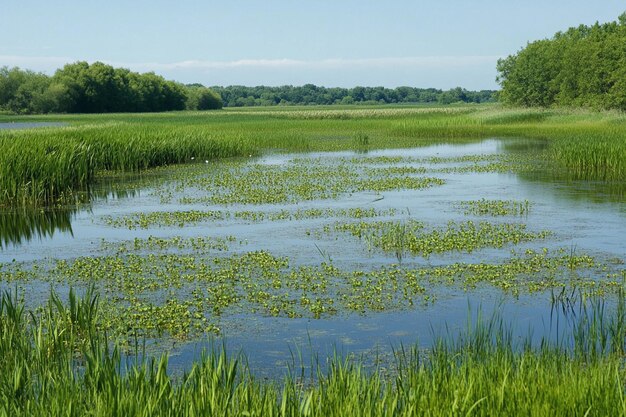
[474, 72]
[46, 63]
[325, 64]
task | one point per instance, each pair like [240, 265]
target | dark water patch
[22, 225]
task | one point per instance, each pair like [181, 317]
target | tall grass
[56, 362]
[43, 166]
[46, 165]
[587, 145]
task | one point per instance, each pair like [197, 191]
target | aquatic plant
[48, 165]
[410, 236]
[58, 363]
[181, 287]
[485, 207]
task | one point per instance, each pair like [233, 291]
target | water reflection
[572, 184]
[575, 186]
[22, 225]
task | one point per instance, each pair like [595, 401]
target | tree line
[309, 94]
[81, 87]
[584, 66]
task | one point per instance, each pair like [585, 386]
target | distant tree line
[98, 88]
[583, 66]
[309, 94]
[81, 87]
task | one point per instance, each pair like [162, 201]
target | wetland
[294, 236]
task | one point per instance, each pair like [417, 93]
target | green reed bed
[588, 145]
[48, 164]
[55, 361]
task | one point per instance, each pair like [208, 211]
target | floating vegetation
[475, 158]
[499, 167]
[190, 217]
[398, 170]
[484, 207]
[279, 184]
[411, 236]
[185, 292]
[165, 218]
[198, 245]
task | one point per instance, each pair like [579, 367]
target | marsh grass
[47, 165]
[56, 362]
[361, 141]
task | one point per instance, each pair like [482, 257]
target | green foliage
[202, 98]
[57, 362]
[96, 88]
[583, 66]
[81, 87]
[309, 94]
[49, 164]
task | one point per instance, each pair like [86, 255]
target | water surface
[582, 215]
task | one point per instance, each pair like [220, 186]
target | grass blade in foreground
[57, 363]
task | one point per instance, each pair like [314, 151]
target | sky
[334, 43]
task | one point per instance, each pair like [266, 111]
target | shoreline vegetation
[52, 165]
[56, 361]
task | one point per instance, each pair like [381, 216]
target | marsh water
[583, 218]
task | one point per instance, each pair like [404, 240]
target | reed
[56, 362]
[51, 164]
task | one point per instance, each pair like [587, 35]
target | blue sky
[443, 44]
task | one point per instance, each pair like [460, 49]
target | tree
[583, 66]
[202, 98]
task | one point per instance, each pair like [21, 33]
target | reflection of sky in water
[593, 225]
